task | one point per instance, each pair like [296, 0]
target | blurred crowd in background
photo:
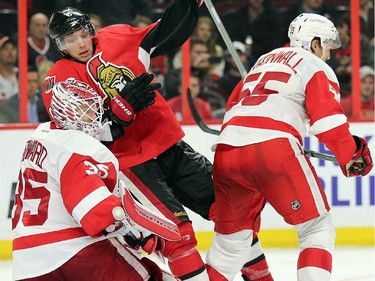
[255, 27]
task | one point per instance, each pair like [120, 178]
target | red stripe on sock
[214, 274]
[315, 257]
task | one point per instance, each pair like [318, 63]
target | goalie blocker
[140, 226]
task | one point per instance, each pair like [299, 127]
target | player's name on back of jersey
[35, 152]
[283, 57]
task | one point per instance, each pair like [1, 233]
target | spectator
[306, 6]
[259, 20]
[141, 21]
[8, 68]
[96, 20]
[205, 30]
[41, 51]
[367, 19]
[344, 55]
[367, 95]
[204, 33]
[199, 64]
[10, 109]
[232, 76]
[203, 107]
[8, 18]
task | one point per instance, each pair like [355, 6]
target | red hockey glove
[139, 93]
[134, 97]
[200, 2]
[149, 244]
[121, 111]
[361, 163]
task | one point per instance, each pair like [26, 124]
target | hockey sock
[314, 264]
[214, 274]
[257, 267]
[183, 258]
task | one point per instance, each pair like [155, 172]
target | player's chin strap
[203, 126]
[139, 221]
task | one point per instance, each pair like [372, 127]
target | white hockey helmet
[76, 106]
[304, 28]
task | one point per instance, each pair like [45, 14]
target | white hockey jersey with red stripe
[288, 93]
[63, 199]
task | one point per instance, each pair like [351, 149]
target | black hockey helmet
[67, 21]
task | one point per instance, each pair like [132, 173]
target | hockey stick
[203, 126]
[224, 34]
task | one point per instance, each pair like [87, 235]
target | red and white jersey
[63, 200]
[123, 52]
[288, 93]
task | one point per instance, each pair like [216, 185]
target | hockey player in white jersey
[259, 155]
[71, 212]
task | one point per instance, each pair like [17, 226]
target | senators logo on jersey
[110, 77]
[49, 82]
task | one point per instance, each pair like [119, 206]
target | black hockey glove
[139, 93]
[134, 97]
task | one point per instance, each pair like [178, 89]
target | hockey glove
[361, 163]
[121, 111]
[134, 97]
[139, 93]
[149, 244]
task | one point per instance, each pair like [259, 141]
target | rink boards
[352, 199]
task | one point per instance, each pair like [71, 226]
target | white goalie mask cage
[304, 28]
[76, 106]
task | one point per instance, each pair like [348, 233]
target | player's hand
[139, 93]
[121, 111]
[200, 2]
[361, 163]
[134, 97]
[149, 244]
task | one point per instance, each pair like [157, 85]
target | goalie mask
[67, 21]
[304, 28]
[76, 106]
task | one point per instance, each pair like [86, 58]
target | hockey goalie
[72, 215]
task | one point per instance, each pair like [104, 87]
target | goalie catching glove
[134, 97]
[361, 163]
